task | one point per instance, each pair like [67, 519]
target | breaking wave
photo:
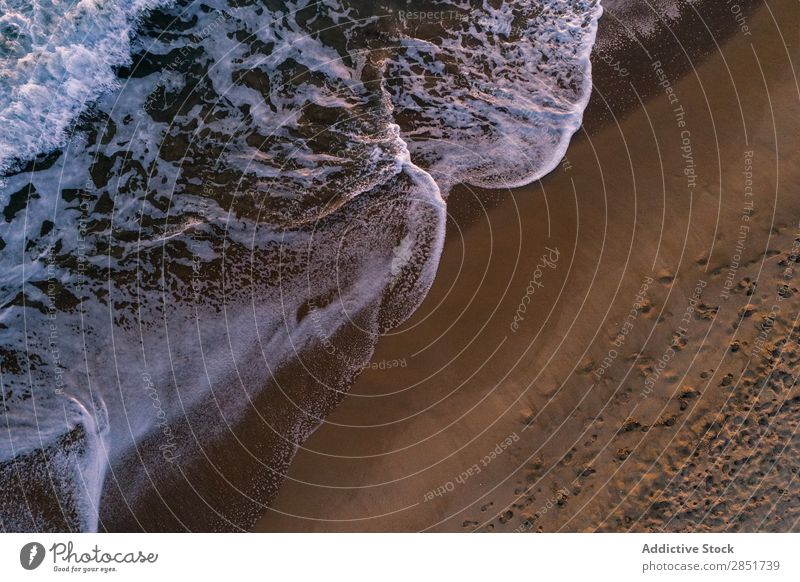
[242, 208]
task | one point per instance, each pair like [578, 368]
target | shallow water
[250, 187]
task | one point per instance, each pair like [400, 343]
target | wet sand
[601, 349]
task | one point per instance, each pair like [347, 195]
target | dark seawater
[194, 276]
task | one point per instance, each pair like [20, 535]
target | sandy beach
[612, 348]
[272, 267]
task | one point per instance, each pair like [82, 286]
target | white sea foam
[262, 192]
[495, 101]
[55, 57]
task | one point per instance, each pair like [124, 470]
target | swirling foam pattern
[228, 230]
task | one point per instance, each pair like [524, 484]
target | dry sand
[602, 408]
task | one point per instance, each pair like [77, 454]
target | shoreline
[589, 446]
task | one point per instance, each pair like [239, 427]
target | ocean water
[199, 196]
[56, 56]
